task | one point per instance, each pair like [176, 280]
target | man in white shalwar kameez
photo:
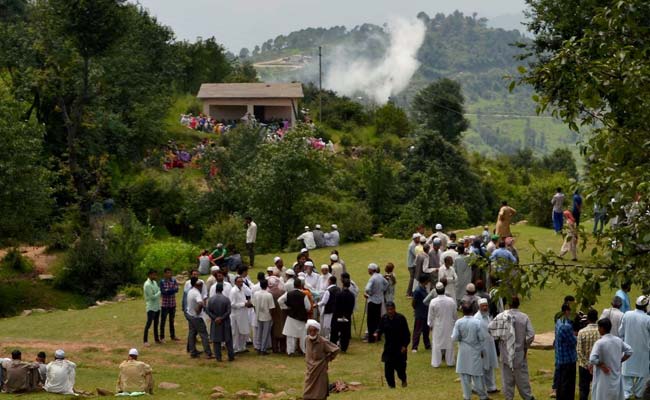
[606, 357]
[635, 331]
[471, 337]
[60, 375]
[490, 361]
[441, 319]
[239, 316]
[297, 304]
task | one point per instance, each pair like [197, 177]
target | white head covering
[470, 287]
[276, 259]
[317, 226]
[438, 227]
[306, 228]
[482, 301]
[309, 263]
[312, 323]
[301, 275]
[59, 354]
[290, 272]
[423, 239]
[270, 269]
[133, 352]
[304, 250]
[373, 267]
[214, 268]
[642, 301]
[324, 266]
[334, 257]
[335, 227]
[219, 245]
[440, 286]
[415, 236]
[437, 241]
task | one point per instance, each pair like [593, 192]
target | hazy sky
[245, 23]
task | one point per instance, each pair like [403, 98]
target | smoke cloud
[349, 75]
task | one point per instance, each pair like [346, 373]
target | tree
[242, 73]
[244, 53]
[589, 66]
[391, 119]
[440, 107]
[561, 160]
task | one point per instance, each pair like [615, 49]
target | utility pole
[320, 85]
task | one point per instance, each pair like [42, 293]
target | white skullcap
[219, 245]
[642, 301]
[309, 263]
[304, 250]
[373, 267]
[306, 227]
[415, 236]
[301, 275]
[423, 239]
[470, 287]
[334, 257]
[276, 271]
[276, 259]
[472, 237]
[334, 226]
[59, 354]
[438, 227]
[482, 301]
[133, 352]
[312, 323]
[270, 269]
[214, 268]
[324, 266]
[437, 241]
[290, 272]
[317, 226]
[440, 286]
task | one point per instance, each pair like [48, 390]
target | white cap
[309, 263]
[59, 354]
[373, 267]
[324, 266]
[437, 241]
[642, 301]
[334, 257]
[415, 236]
[214, 268]
[317, 226]
[423, 239]
[133, 352]
[440, 286]
[290, 272]
[306, 227]
[219, 245]
[304, 250]
[270, 269]
[470, 287]
[334, 226]
[438, 227]
[276, 259]
[312, 323]
[482, 301]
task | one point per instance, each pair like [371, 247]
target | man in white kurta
[490, 361]
[606, 357]
[294, 327]
[471, 337]
[635, 331]
[614, 314]
[442, 316]
[239, 316]
[447, 272]
[463, 272]
[60, 375]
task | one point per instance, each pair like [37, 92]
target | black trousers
[152, 317]
[421, 328]
[197, 327]
[171, 313]
[374, 317]
[251, 253]
[566, 381]
[390, 367]
[229, 347]
[584, 382]
[341, 331]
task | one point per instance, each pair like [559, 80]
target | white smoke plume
[390, 75]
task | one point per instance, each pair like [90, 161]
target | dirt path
[42, 260]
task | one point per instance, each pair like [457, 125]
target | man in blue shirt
[374, 295]
[623, 294]
[577, 206]
[566, 355]
[421, 313]
[502, 257]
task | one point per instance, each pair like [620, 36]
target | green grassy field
[98, 339]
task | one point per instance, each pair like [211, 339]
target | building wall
[272, 112]
[220, 112]
[281, 108]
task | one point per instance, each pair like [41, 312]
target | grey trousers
[466, 384]
[263, 334]
[197, 327]
[489, 380]
[409, 289]
[516, 377]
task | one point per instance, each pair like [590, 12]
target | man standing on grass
[441, 319]
[251, 238]
[587, 337]
[605, 360]
[218, 310]
[318, 353]
[558, 208]
[625, 298]
[565, 358]
[614, 314]
[635, 331]
[374, 292]
[397, 338]
[410, 262]
[420, 311]
[263, 304]
[327, 306]
[194, 311]
[168, 290]
[239, 315]
[470, 336]
[490, 361]
[342, 318]
[152, 300]
[297, 305]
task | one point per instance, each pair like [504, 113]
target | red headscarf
[569, 216]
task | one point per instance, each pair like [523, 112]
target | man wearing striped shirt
[587, 336]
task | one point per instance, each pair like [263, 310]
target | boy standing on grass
[168, 289]
[152, 300]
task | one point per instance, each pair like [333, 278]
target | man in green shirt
[151, 292]
[219, 255]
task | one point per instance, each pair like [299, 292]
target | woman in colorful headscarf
[571, 239]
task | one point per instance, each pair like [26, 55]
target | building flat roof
[250, 90]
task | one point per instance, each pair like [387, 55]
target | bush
[132, 291]
[538, 198]
[15, 261]
[229, 231]
[64, 231]
[170, 253]
[352, 217]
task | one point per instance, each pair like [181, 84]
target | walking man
[251, 238]
[410, 262]
[152, 299]
[397, 338]
[605, 360]
[374, 292]
[342, 319]
[490, 361]
[565, 359]
[168, 290]
[421, 312]
[470, 336]
[558, 208]
[635, 331]
[441, 319]
[318, 354]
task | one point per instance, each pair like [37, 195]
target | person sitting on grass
[135, 376]
[61, 375]
[20, 376]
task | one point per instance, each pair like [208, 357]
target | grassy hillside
[98, 339]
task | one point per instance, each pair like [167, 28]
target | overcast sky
[245, 23]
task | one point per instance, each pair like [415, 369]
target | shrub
[352, 217]
[132, 290]
[538, 197]
[15, 261]
[170, 253]
[229, 231]
[64, 231]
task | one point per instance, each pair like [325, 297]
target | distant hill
[464, 48]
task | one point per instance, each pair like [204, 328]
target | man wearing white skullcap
[444, 239]
[441, 319]
[297, 305]
[307, 238]
[410, 262]
[60, 375]
[319, 236]
[635, 331]
[374, 293]
[135, 376]
[318, 353]
[333, 238]
[336, 268]
[323, 279]
[310, 276]
[490, 361]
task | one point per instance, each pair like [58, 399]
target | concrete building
[267, 101]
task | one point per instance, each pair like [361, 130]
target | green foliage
[228, 230]
[103, 259]
[15, 262]
[391, 119]
[200, 62]
[440, 107]
[379, 177]
[65, 230]
[170, 253]
[339, 112]
[561, 160]
[538, 197]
